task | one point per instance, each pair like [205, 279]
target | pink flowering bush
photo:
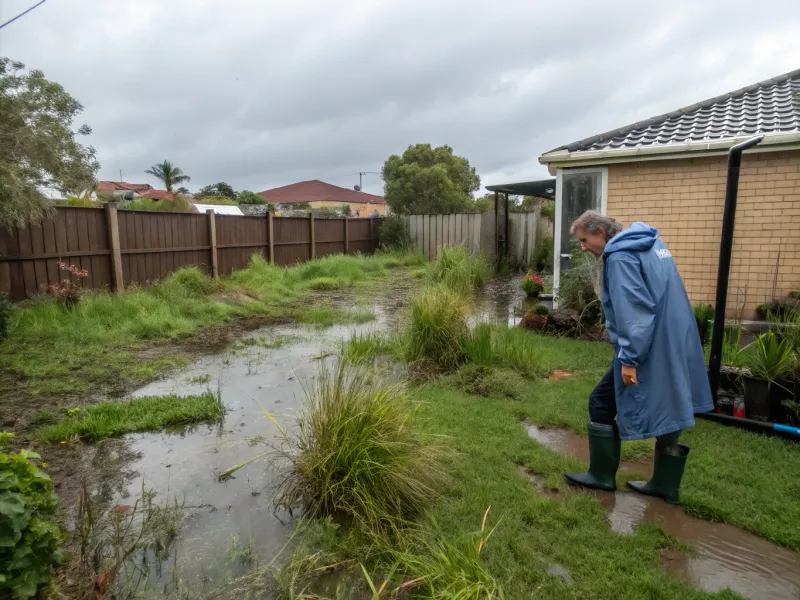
[68, 291]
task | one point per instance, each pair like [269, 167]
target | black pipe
[725, 245]
[505, 234]
[751, 425]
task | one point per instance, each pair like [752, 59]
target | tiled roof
[315, 191]
[158, 195]
[113, 186]
[771, 106]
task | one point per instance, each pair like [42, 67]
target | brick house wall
[684, 200]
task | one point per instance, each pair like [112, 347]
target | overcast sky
[267, 93]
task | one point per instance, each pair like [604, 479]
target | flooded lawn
[727, 557]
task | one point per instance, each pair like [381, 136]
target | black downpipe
[725, 245]
[505, 232]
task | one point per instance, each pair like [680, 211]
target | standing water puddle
[268, 369]
[727, 557]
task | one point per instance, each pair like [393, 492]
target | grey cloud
[265, 94]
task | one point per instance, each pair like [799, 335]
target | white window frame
[557, 237]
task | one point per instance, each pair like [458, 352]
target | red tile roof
[158, 195]
[113, 186]
[315, 191]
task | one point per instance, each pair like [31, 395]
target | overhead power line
[22, 14]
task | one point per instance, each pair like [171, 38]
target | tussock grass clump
[357, 451]
[459, 270]
[363, 347]
[437, 328]
[481, 380]
[498, 345]
[108, 419]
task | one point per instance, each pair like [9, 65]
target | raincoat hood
[637, 238]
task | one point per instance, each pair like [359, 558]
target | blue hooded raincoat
[651, 325]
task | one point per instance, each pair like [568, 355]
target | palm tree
[168, 174]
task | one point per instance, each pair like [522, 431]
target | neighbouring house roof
[158, 194]
[770, 107]
[318, 191]
[114, 186]
[219, 209]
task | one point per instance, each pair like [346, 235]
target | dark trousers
[603, 406]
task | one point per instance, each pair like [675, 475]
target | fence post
[313, 234]
[212, 238]
[271, 237]
[346, 236]
[112, 224]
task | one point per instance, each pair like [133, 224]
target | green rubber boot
[668, 465]
[604, 445]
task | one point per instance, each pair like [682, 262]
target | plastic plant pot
[757, 402]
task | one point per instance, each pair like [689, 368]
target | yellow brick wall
[684, 200]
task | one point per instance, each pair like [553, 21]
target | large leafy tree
[216, 189]
[38, 149]
[429, 180]
[169, 174]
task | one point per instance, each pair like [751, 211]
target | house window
[577, 190]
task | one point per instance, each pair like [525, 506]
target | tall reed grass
[437, 327]
[357, 451]
[459, 270]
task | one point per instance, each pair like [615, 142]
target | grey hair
[593, 221]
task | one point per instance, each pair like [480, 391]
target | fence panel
[329, 237]
[153, 245]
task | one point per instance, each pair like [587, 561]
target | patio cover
[544, 188]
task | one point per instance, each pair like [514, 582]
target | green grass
[459, 270]
[109, 419]
[100, 344]
[437, 326]
[358, 452]
[328, 317]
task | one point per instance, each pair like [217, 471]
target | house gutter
[585, 158]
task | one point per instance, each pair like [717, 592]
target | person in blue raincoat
[658, 379]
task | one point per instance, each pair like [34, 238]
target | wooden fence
[478, 233]
[123, 247]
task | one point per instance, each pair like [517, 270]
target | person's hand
[629, 375]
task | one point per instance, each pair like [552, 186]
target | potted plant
[68, 291]
[767, 359]
[532, 285]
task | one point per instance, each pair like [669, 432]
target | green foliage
[532, 284]
[110, 419]
[216, 189]
[576, 289]
[6, 308]
[541, 309]
[768, 357]
[542, 259]
[345, 210]
[300, 206]
[703, 314]
[482, 380]
[437, 328]
[29, 543]
[179, 204]
[218, 200]
[429, 180]
[248, 197]
[500, 346]
[78, 201]
[395, 234]
[459, 270]
[549, 209]
[484, 204]
[357, 451]
[169, 174]
[38, 149]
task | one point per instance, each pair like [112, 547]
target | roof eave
[565, 158]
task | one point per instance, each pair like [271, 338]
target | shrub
[358, 452]
[180, 204]
[395, 234]
[5, 315]
[576, 289]
[437, 328]
[541, 309]
[703, 313]
[68, 291]
[248, 197]
[542, 258]
[459, 270]
[29, 543]
[768, 357]
[76, 201]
